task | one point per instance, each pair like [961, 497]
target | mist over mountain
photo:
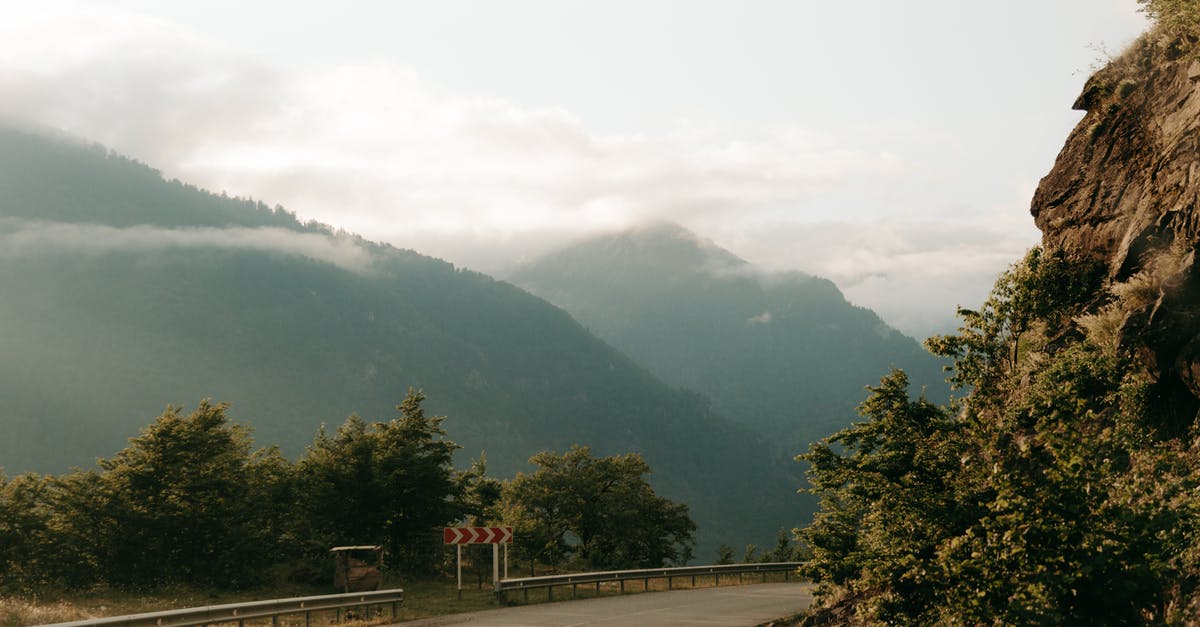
[121, 293]
[784, 353]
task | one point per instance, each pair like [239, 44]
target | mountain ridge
[783, 352]
[140, 303]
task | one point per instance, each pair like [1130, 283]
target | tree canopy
[390, 482]
[190, 500]
[1049, 495]
[598, 511]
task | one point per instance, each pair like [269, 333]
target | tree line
[191, 500]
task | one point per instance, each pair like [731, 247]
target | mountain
[121, 293]
[784, 353]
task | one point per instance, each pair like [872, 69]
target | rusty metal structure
[357, 568]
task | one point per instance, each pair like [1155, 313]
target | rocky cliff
[1125, 191]
[1062, 489]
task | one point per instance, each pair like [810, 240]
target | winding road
[727, 606]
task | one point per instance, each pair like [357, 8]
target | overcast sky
[891, 146]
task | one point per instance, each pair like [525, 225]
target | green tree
[724, 554]
[600, 511]
[1047, 496]
[885, 498]
[181, 501]
[1181, 16]
[384, 482]
[23, 523]
[481, 494]
[83, 528]
[1040, 292]
[784, 550]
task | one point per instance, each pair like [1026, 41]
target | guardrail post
[622, 586]
[574, 591]
[669, 582]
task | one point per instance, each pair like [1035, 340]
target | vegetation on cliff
[1174, 15]
[1065, 487]
[1050, 495]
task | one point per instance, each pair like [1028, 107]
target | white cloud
[481, 181]
[26, 238]
[914, 274]
[371, 148]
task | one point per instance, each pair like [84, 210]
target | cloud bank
[481, 181]
[27, 238]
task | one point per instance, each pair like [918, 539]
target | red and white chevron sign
[477, 535]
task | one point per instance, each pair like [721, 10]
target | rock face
[1125, 190]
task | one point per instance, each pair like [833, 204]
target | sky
[890, 146]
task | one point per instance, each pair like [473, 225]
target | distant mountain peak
[784, 352]
[658, 248]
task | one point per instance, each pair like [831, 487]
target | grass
[422, 599]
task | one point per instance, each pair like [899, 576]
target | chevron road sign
[477, 535]
[494, 536]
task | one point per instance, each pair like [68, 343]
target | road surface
[730, 605]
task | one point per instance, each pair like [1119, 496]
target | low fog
[27, 238]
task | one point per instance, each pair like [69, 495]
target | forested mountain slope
[784, 353]
[121, 293]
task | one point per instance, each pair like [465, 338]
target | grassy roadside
[422, 599]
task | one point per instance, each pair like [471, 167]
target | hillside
[123, 293]
[784, 353]
[1063, 490]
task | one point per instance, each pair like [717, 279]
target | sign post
[494, 536]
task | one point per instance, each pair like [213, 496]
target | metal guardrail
[670, 574]
[240, 612]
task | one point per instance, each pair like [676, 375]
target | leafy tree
[724, 554]
[601, 511]
[885, 498]
[181, 503]
[1176, 15]
[83, 528]
[1043, 290]
[784, 551]
[1047, 496]
[750, 555]
[391, 482]
[23, 520]
[481, 494]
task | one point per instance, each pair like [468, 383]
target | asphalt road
[727, 606]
